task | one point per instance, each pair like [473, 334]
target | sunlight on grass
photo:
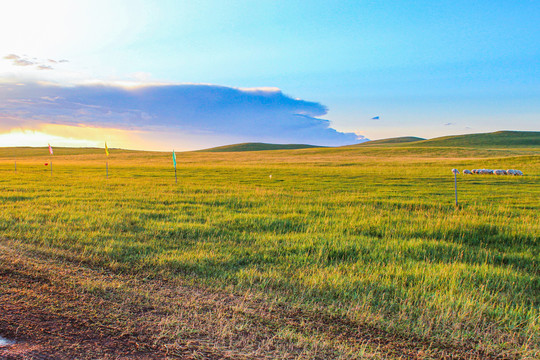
[370, 233]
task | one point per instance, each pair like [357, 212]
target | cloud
[26, 61]
[44, 67]
[260, 114]
[19, 61]
[449, 124]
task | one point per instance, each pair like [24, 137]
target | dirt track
[59, 310]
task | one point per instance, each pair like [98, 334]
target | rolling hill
[505, 139]
[255, 146]
[499, 139]
[397, 140]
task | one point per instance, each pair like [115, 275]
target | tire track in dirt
[65, 310]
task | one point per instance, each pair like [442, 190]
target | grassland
[258, 147]
[396, 140]
[367, 235]
[495, 140]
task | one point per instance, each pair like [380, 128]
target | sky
[187, 75]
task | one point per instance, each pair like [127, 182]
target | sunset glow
[317, 72]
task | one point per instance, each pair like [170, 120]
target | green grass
[396, 140]
[369, 232]
[257, 147]
[495, 140]
[499, 139]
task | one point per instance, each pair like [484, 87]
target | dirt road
[57, 309]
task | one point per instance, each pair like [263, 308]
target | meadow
[367, 234]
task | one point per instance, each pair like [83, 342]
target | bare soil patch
[56, 309]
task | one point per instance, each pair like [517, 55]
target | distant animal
[468, 172]
[514, 172]
[499, 172]
[455, 171]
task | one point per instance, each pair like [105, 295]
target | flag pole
[107, 161]
[174, 162]
[51, 156]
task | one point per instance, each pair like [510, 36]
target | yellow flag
[106, 149]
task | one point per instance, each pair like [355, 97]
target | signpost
[455, 171]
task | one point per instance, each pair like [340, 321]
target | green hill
[499, 139]
[258, 147]
[397, 140]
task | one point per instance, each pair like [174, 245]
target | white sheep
[514, 172]
[467, 172]
[455, 171]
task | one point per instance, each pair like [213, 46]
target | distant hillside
[258, 147]
[504, 139]
[397, 140]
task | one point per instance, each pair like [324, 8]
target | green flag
[174, 159]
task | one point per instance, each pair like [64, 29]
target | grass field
[366, 234]
[257, 147]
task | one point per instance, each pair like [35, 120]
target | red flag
[50, 149]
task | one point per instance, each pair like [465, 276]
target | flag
[174, 158]
[106, 149]
[50, 149]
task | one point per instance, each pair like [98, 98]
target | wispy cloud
[249, 114]
[449, 124]
[44, 67]
[18, 60]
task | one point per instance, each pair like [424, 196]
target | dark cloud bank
[253, 115]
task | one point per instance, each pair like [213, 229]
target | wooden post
[455, 186]
[51, 166]
[107, 169]
[175, 177]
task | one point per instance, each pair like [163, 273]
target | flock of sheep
[490, 172]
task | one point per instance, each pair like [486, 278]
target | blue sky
[426, 68]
